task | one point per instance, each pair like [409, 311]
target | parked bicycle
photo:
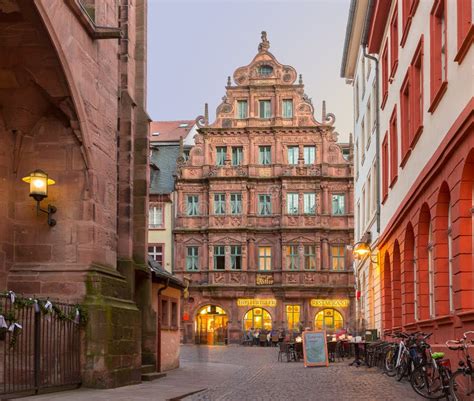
[431, 378]
[462, 381]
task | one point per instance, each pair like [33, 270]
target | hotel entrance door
[211, 326]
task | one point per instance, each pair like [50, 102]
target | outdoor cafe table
[358, 360]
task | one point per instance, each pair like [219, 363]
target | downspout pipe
[158, 331]
[368, 18]
[377, 133]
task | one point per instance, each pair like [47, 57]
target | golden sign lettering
[264, 279]
[334, 303]
[256, 302]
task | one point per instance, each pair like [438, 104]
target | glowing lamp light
[39, 183]
[361, 249]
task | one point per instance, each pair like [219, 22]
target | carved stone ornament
[309, 278]
[219, 277]
[291, 278]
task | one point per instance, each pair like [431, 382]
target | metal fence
[44, 352]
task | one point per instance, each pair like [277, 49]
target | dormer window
[265, 70]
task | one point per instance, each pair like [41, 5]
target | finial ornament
[300, 81]
[264, 44]
[228, 81]
[206, 114]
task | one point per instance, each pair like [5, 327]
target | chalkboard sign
[315, 349]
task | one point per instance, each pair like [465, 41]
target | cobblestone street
[261, 377]
[247, 374]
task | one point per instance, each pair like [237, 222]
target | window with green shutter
[292, 203]
[192, 258]
[265, 108]
[220, 155]
[292, 154]
[264, 205]
[242, 109]
[265, 156]
[219, 203]
[287, 107]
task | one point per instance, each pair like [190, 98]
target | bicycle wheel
[402, 369]
[461, 386]
[427, 382]
[390, 360]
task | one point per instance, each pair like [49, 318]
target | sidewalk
[189, 378]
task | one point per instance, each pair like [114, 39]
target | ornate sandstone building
[264, 212]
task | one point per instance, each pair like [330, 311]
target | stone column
[301, 256]
[325, 209]
[251, 254]
[227, 257]
[324, 254]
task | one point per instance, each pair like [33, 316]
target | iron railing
[44, 352]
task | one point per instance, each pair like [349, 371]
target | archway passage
[211, 325]
[257, 318]
[329, 320]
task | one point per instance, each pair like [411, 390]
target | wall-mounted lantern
[39, 182]
[362, 249]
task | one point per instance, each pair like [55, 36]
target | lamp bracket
[49, 211]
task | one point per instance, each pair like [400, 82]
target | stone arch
[443, 278]
[42, 126]
[422, 275]
[82, 127]
[408, 276]
[386, 292]
[396, 287]
[463, 236]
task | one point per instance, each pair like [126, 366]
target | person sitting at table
[256, 337]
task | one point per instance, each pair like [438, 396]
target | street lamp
[362, 248]
[39, 182]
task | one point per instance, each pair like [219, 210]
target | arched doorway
[211, 325]
[257, 318]
[328, 319]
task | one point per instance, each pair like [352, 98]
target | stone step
[148, 369]
[148, 377]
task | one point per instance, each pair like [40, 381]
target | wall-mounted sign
[330, 303]
[256, 302]
[264, 279]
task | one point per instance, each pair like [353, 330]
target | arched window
[396, 287]
[431, 273]
[408, 275]
[328, 319]
[265, 69]
[257, 318]
[211, 325]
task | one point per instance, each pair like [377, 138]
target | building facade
[72, 103]
[427, 164]
[360, 72]
[265, 213]
[170, 143]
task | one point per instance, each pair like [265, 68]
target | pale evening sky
[193, 45]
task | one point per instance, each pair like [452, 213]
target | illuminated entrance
[328, 319]
[258, 318]
[211, 325]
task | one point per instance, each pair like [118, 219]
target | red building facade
[264, 212]
[426, 241]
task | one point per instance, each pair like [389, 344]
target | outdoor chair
[340, 352]
[263, 339]
[332, 346]
[287, 350]
[275, 338]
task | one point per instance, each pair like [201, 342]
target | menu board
[315, 349]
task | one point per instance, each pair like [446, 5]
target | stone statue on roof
[264, 44]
